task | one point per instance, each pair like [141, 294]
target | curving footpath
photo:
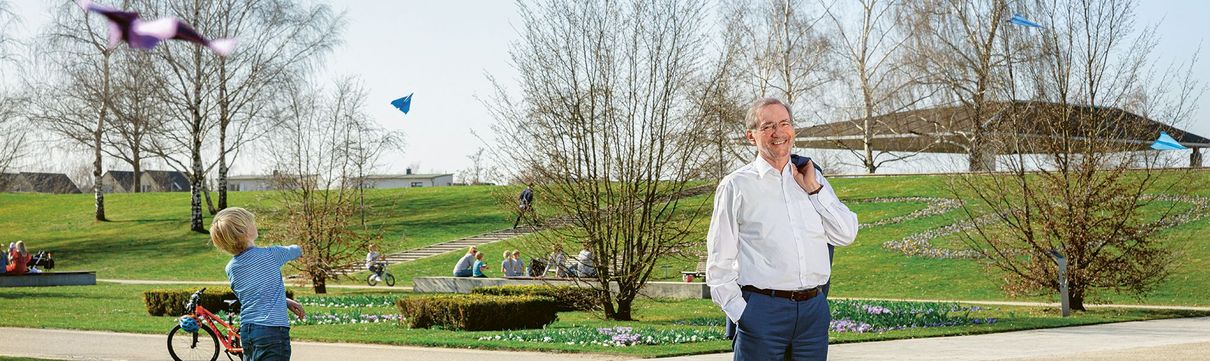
[1172, 339]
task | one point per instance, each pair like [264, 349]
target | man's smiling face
[774, 133]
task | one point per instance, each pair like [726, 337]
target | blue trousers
[776, 329]
[463, 273]
[265, 343]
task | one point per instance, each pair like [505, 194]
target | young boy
[255, 276]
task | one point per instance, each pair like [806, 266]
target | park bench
[74, 278]
[689, 276]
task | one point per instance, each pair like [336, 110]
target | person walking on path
[524, 204]
[767, 246]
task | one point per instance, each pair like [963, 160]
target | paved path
[460, 244]
[1033, 304]
[224, 283]
[92, 345]
[1173, 339]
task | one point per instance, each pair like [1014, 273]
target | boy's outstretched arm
[296, 308]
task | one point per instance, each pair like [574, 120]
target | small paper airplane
[1022, 21]
[403, 104]
[1165, 142]
[126, 26]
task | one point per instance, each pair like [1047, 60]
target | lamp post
[1062, 262]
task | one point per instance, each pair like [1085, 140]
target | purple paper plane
[126, 26]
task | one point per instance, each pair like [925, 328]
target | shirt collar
[762, 167]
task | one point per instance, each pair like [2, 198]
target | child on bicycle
[375, 262]
[255, 276]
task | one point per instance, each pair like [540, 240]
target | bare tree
[957, 45]
[136, 113]
[14, 134]
[314, 165]
[477, 172]
[784, 51]
[873, 47]
[367, 145]
[1077, 183]
[73, 89]
[278, 39]
[608, 134]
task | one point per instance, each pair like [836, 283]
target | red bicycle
[186, 341]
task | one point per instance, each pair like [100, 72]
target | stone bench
[674, 290]
[77, 278]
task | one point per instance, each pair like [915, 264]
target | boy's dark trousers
[265, 343]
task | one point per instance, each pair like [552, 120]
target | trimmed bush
[566, 298]
[477, 312]
[171, 302]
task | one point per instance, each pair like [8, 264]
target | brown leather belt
[800, 295]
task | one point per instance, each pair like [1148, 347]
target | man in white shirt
[768, 242]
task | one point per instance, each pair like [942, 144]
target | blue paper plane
[1165, 142]
[1017, 19]
[403, 104]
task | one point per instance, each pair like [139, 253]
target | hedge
[477, 312]
[566, 298]
[171, 302]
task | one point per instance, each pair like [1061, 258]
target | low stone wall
[81, 278]
[674, 290]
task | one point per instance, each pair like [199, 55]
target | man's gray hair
[753, 118]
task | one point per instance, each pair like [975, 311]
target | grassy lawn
[148, 234]
[148, 238]
[119, 308]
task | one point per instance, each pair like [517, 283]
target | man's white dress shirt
[767, 232]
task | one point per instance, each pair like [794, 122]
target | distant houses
[120, 181]
[29, 182]
[242, 183]
[406, 180]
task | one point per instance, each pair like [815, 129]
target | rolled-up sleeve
[722, 248]
[840, 224]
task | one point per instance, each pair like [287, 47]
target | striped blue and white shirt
[255, 276]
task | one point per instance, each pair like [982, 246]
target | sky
[443, 50]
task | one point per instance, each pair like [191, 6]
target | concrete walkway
[224, 283]
[92, 345]
[1173, 339]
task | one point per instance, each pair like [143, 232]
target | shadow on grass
[42, 294]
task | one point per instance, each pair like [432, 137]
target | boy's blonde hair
[230, 230]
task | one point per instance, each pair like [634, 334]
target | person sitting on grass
[518, 264]
[18, 259]
[463, 267]
[4, 259]
[255, 276]
[480, 266]
[583, 266]
[506, 266]
[558, 259]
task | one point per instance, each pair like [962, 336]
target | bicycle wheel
[390, 278]
[185, 346]
[370, 280]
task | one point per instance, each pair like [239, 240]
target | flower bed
[920, 244]
[881, 316]
[344, 318]
[611, 337]
[350, 301]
